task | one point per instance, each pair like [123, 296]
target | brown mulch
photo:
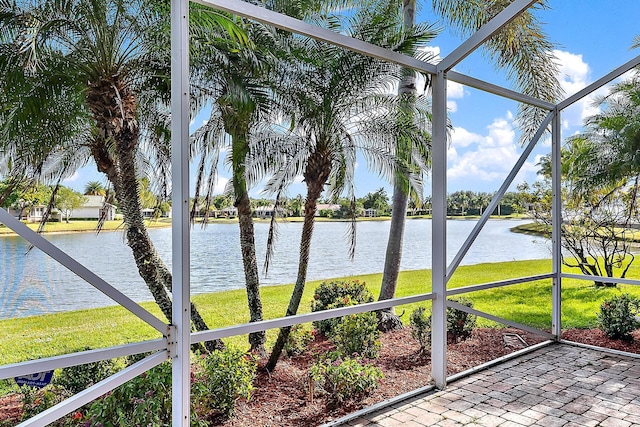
[283, 397]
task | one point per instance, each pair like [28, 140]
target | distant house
[370, 212]
[95, 208]
[228, 212]
[35, 214]
[320, 207]
[149, 213]
[263, 212]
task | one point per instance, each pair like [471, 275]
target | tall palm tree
[104, 56]
[339, 103]
[523, 51]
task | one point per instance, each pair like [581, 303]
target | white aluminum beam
[80, 270]
[80, 358]
[77, 401]
[498, 90]
[297, 26]
[282, 322]
[439, 230]
[600, 82]
[179, 348]
[497, 197]
[497, 319]
[498, 284]
[503, 18]
[556, 226]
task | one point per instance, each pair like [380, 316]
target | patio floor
[558, 385]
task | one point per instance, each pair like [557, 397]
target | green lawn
[76, 226]
[41, 336]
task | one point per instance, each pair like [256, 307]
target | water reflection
[33, 283]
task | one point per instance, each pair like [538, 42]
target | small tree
[68, 200]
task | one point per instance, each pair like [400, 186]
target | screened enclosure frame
[177, 336]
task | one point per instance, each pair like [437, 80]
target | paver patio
[558, 385]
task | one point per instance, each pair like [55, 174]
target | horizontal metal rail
[80, 270]
[612, 280]
[80, 358]
[86, 396]
[497, 319]
[500, 283]
[282, 322]
[498, 90]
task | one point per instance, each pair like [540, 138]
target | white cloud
[221, 184]
[487, 157]
[72, 178]
[574, 75]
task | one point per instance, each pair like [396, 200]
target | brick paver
[559, 385]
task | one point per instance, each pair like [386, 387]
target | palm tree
[523, 51]
[94, 188]
[337, 104]
[103, 55]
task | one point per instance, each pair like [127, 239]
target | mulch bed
[283, 397]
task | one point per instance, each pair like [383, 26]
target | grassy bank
[48, 335]
[81, 226]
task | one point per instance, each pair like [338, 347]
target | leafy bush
[357, 334]
[344, 379]
[420, 323]
[617, 317]
[143, 401]
[460, 324]
[77, 378]
[334, 294]
[225, 376]
[298, 340]
[36, 400]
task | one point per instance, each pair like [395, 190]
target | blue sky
[592, 37]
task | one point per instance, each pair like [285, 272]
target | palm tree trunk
[240, 150]
[121, 172]
[387, 320]
[314, 191]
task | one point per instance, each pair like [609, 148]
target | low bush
[299, 339]
[334, 294]
[617, 317]
[344, 379]
[460, 324]
[36, 400]
[420, 322]
[77, 378]
[224, 376]
[357, 334]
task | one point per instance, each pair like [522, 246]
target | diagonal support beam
[503, 18]
[297, 26]
[599, 83]
[66, 407]
[80, 270]
[498, 196]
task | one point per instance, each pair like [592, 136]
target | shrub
[298, 340]
[357, 334]
[334, 294]
[36, 400]
[143, 401]
[420, 323]
[617, 317]
[344, 379]
[225, 376]
[460, 324]
[77, 378]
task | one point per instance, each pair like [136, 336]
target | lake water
[32, 283]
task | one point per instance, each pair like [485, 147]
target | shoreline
[112, 226]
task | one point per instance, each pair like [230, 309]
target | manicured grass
[76, 226]
[530, 303]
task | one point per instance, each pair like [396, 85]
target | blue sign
[35, 380]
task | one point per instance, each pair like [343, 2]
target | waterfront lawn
[78, 226]
[42, 336]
